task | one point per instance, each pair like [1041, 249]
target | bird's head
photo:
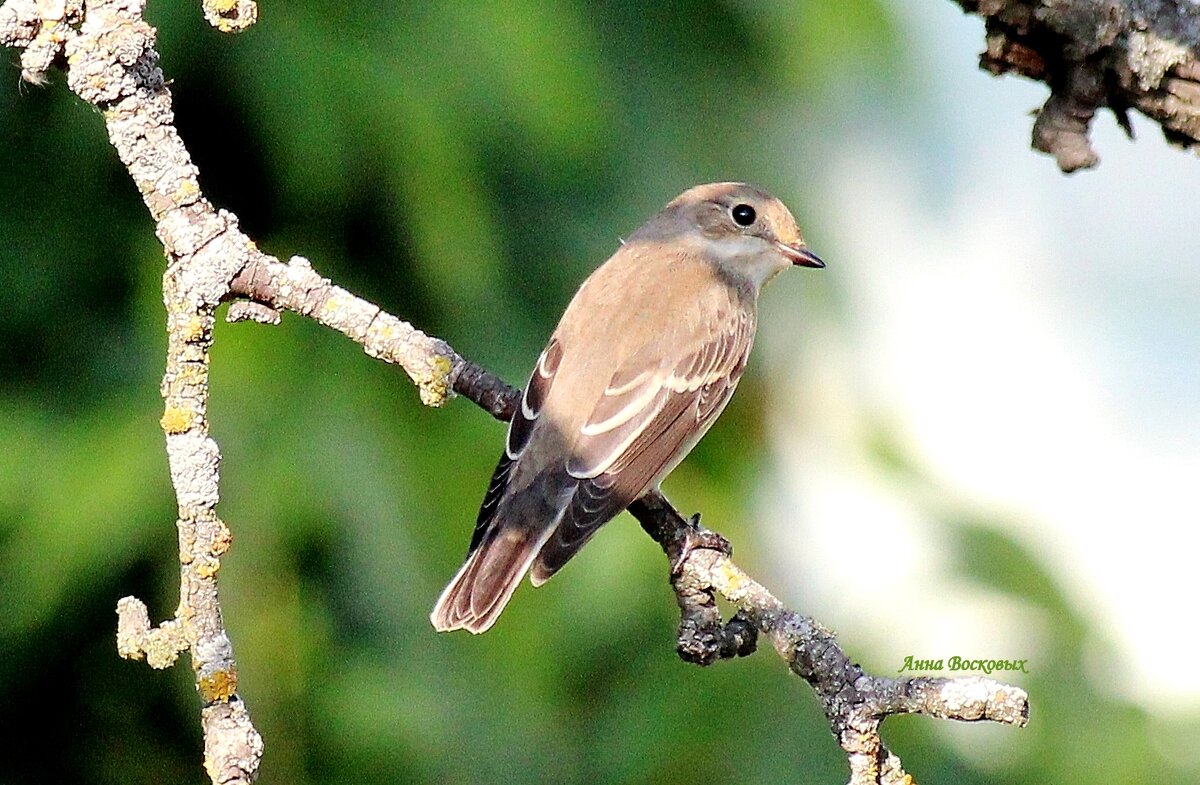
[743, 229]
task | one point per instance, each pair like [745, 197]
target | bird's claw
[696, 536]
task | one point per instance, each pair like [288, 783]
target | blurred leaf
[999, 562]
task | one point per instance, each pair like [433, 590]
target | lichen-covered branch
[111, 63]
[295, 286]
[1119, 54]
[855, 702]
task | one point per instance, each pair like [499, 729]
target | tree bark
[1119, 54]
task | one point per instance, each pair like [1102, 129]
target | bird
[642, 362]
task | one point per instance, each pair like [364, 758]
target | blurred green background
[464, 165]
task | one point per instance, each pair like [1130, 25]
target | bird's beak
[800, 255]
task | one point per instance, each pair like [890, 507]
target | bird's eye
[743, 214]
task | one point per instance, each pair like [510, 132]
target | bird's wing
[648, 417]
[519, 430]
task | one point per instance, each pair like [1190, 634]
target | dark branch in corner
[1119, 54]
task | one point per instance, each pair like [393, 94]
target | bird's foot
[696, 536]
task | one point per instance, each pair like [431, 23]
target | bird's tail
[478, 593]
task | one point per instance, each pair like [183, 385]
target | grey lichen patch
[429, 362]
[113, 55]
[352, 316]
[1151, 56]
[212, 654]
[1087, 27]
[188, 228]
[195, 462]
[232, 747]
[965, 698]
[133, 622]
[299, 286]
[244, 311]
[970, 699]
[159, 646]
[39, 55]
[207, 274]
[20, 21]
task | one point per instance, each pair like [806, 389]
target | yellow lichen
[193, 329]
[733, 580]
[207, 567]
[435, 387]
[236, 24]
[176, 419]
[163, 644]
[218, 686]
[187, 189]
[332, 304]
[192, 374]
[222, 541]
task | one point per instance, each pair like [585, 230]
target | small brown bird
[641, 364]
